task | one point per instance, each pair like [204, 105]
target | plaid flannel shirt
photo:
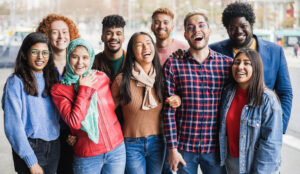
[193, 126]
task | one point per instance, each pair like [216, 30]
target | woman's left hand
[71, 140]
[174, 101]
[88, 80]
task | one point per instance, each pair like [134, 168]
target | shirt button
[257, 125]
[244, 136]
[243, 164]
[247, 108]
[242, 150]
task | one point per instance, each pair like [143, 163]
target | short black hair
[238, 9]
[113, 21]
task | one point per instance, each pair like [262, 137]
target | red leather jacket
[73, 109]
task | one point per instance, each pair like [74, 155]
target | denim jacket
[260, 133]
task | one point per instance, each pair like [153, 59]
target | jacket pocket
[253, 131]
[254, 123]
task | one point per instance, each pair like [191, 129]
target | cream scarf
[147, 81]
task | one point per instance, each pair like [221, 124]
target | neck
[60, 60]
[248, 45]
[146, 67]
[164, 43]
[200, 55]
[243, 86]
[113, 56]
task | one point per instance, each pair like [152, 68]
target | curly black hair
[238, 9]
[113, 21]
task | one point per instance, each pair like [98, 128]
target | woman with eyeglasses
[250, 133]
[31, 120]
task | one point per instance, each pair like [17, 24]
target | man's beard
[164, 36]
[113, 51]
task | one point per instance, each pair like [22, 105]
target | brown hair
[45, 25]
[257, 85]
[163, 11]
[193, 13]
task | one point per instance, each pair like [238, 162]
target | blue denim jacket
[276, 73]
[260, 133]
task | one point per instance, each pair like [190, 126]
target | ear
[102, 37]
[152, 27]
[172, 27]
[185, 35]
[209, 31]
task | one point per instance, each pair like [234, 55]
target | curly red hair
[45, 25]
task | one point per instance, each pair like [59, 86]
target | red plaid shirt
[193, 126]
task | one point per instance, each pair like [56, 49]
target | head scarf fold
[90, 122]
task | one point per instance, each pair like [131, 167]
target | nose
[238, 29]
[60, 34]
[40, 54]
[114, 35]
[241, 66]
[80, 60]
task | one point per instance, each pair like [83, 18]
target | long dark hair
[125, 94]
[257, 85]
[24, 71]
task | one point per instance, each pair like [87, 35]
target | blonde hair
[193, 13]
[163, 11]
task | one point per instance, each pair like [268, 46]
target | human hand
[178, 54]
[71, 140]
[174, 159]
[174, 101]
[36, 169]
[89, 79]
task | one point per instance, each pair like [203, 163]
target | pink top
[164, 53]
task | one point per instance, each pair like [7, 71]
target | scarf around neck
[90, 122]
[147, 81]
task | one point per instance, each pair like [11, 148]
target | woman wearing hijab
[84, 101]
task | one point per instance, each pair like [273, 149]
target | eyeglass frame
[38, 53]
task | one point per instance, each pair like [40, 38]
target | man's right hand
[179, 54]
[36, 169]
[174, 159]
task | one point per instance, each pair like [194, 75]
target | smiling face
[197, 32]
[242, 70]
[80, 60]
[38, 57]
[240, 32]
[59, 35]
[113, 38]
[162, 26]
[143, 49]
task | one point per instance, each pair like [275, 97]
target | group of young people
[223, 106]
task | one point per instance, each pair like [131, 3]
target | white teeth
[147, 54]
[39, 63]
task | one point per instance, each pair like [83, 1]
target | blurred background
[276, 20]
